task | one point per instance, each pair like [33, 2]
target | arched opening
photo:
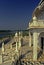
[41, 45]
[41, 41]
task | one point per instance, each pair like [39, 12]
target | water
[5, 34]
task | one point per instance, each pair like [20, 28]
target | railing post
[3, 49]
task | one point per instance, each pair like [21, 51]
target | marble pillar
[35, 42]
[30, 39]
[16, 35]
[3, 48]
[19, 42]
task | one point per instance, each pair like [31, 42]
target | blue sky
[16, 14]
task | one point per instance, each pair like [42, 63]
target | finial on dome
[34, 17]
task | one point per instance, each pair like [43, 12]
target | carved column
[35, 42]
[16, 47]
[16, 35]
[19, 39]
[19, 42]
[30, 39]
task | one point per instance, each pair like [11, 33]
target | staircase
[26, 53]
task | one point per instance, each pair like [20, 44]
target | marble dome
[39, 10]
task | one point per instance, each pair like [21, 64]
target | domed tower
[36, 30]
